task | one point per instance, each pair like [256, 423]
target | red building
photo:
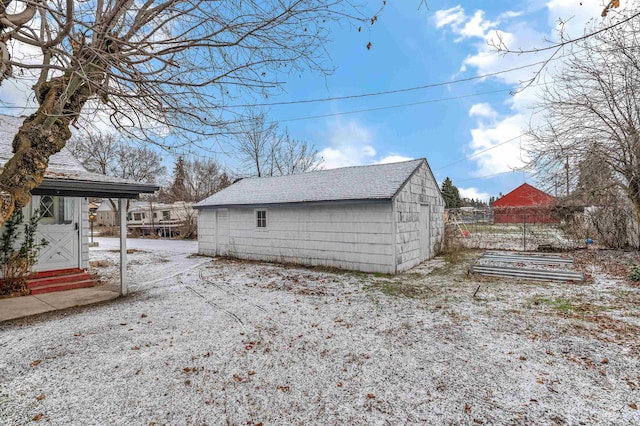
[525, 204]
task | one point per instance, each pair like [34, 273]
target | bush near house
[17, 262]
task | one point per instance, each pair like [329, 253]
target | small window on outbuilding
[261, 218]
[166, 215]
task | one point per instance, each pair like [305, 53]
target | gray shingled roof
[64, 169]
[376, 182]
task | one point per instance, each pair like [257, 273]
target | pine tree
[178, 190]
[451, 195]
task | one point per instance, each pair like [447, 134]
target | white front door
[60, 227]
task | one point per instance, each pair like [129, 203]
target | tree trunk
[43, 134]
[634, 195]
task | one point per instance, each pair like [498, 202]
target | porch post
[123, 246]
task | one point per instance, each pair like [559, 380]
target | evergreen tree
[178, 189]
[451, 195]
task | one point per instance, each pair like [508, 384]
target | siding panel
[421, 191]
[354, 236]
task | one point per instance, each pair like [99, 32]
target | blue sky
[460, 128]
[411, 48]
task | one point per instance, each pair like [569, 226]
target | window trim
[257, 219]
[47, 207]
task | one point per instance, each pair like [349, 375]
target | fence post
[524, 230]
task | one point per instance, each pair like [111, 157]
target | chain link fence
[516, 228]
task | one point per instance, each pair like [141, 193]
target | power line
[389, 92]
[561, 44]
[479, 152]
[393, 106]
[364, 95]
[311, 117]
[488, 176]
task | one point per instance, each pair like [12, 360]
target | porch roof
[66, 176]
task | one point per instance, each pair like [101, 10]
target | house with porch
[63, 197]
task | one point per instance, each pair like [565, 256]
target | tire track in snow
[215, 305]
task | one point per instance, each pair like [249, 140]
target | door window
[56, 210]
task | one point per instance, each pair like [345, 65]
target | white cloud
[517, 30]
[482, 110]
[352, 144]
[474, 193]
[486, 60]
[393, 158]
[449, 17]
[497, 145]
[508, 15]
[573, 15]
[477, 26]
[463, 25]
[16, 92]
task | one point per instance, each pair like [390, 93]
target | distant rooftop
[375, 182]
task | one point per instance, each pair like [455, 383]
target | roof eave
[291, 203]
[78, 188]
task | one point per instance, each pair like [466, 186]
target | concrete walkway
[24, 306]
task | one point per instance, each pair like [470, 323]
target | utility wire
[311, 117]
[389, 92]
[451, 98]
[366, 95]
[479, 152]
[487, 176]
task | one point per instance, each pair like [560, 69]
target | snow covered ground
[167, 258]
[218, 342]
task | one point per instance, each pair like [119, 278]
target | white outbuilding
[380, 218]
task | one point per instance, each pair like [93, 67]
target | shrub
[635, 273]
[452, 247]
[17, 263]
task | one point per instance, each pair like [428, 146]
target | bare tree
[592, 109]
[96, 151]
[195, 180]
[293, 156]
[596, 184]
[264, 150]
[105, 154]
[255, 144]
[563, 41]
[153, 67]
[204, 178]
